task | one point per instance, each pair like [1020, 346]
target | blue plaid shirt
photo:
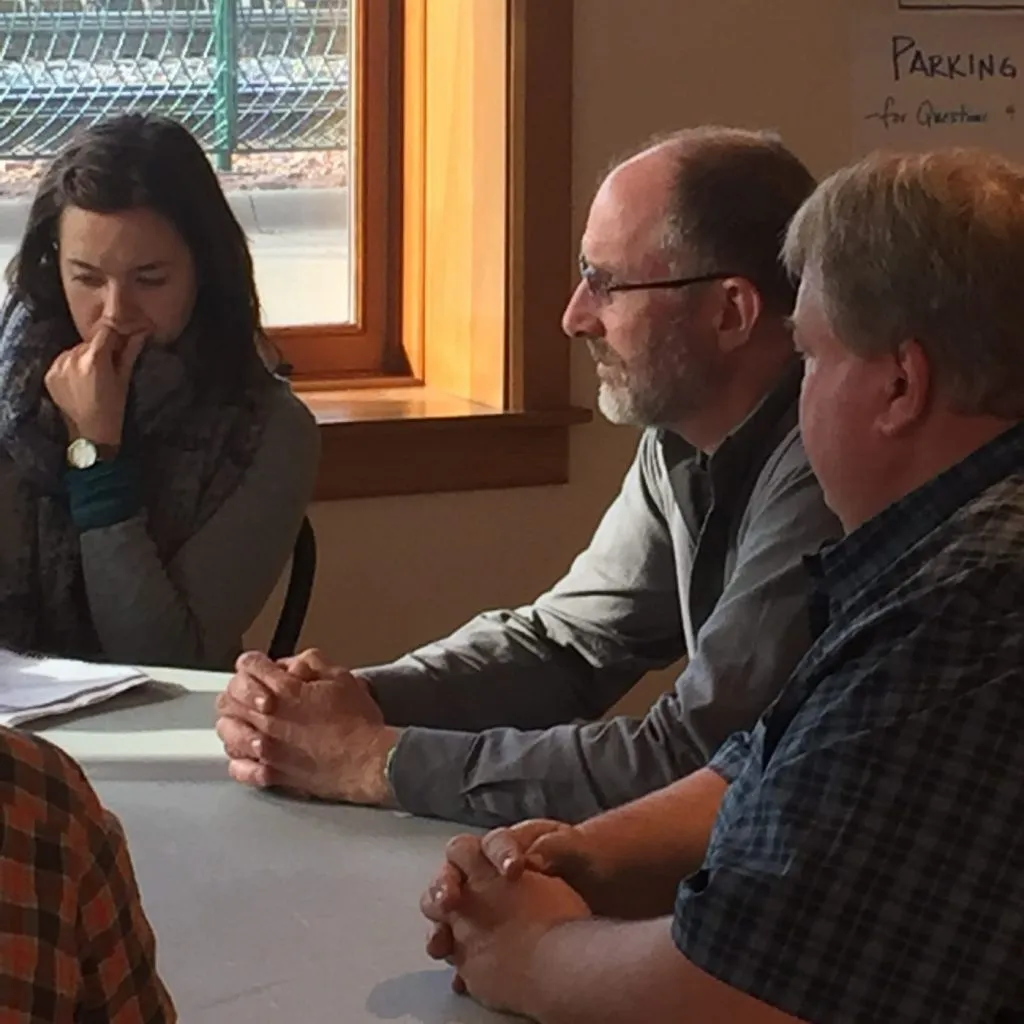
[867, 863]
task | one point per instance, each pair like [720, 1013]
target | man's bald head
[722, 197]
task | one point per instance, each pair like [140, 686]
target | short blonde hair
[927, 247]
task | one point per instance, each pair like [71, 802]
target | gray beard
[661, 392]
[622, 406]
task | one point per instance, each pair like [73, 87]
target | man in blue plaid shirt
[859, 856]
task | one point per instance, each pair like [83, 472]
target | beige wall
[398, 571]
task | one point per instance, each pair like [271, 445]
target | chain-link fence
[245, 76]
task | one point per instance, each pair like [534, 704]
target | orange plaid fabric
[75, 945]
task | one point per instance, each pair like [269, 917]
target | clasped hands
[307, 727]
[497, 898]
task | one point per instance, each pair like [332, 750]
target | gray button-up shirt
[698, 555]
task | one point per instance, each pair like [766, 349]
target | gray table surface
[265, 909]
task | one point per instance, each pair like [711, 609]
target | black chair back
[296, 598]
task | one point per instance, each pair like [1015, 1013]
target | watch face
[82, 454]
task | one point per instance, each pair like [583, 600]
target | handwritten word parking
[909, 60]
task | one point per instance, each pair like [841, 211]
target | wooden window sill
[416, 440]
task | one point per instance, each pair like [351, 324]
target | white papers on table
[32, 688]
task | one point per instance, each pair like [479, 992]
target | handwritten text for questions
[910, 61]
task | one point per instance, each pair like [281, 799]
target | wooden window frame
[368, 346]
[476, 394]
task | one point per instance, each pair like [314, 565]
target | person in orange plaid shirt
[75, 944]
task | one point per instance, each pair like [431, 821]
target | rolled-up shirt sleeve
[814, 896]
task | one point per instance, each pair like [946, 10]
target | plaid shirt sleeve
[75, 944]
[731, 757]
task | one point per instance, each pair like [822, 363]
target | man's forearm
[604, 972]
[500, 669]
[501, 776]
[598, 971]
[643, 850]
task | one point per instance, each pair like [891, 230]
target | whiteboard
[926, 79]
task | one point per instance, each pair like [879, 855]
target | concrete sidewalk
[259, 211]
[300, 248]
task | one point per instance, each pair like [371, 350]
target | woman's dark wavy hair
[142, 160]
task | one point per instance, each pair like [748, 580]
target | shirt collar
[845, 567]
[734, 457]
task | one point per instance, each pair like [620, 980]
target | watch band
[108, 452]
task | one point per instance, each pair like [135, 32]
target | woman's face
[130, 271]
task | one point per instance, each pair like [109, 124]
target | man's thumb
[554, 853]
[308, 666]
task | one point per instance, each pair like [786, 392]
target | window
[290, 98]
[402, 167]
[339, 302]
[487, 261]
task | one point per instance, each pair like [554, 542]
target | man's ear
[740, 310]
[909, 389]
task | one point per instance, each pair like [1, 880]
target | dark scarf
[192, 451]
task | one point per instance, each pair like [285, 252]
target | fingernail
[261, 703]
[507, 863]
[436, 893]
[257, 747]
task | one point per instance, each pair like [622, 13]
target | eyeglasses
[601, 286]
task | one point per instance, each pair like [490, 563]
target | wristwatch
[83, 453]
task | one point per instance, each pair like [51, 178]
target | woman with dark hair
[153, 471]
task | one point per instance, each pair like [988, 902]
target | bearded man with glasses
[683, 304]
